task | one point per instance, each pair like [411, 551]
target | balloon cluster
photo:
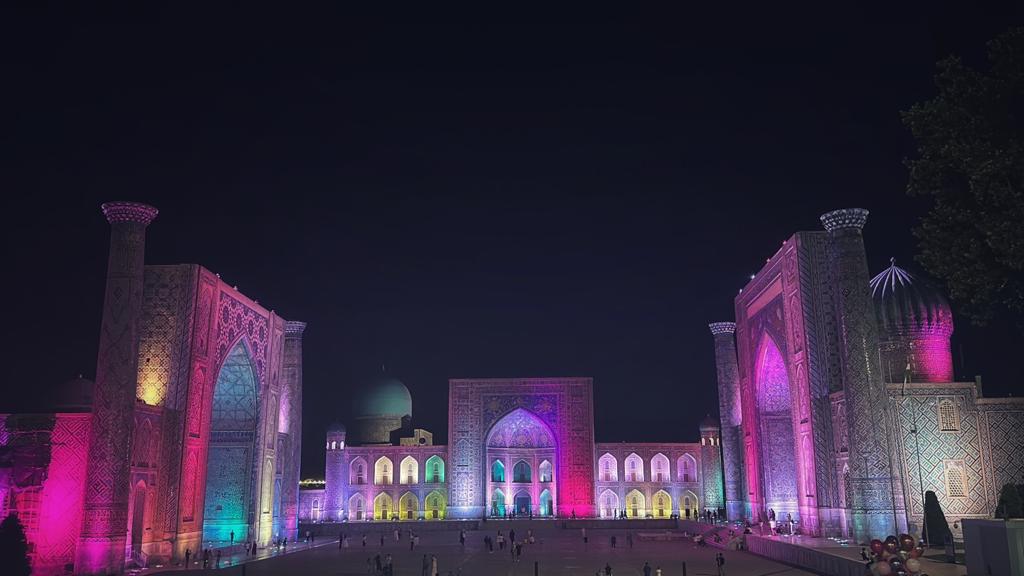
[896, 556]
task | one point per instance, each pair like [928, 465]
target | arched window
[634, 468]
[659, 468]
[956, 478]
[410, 470]
[609, 468]
[382, 471]
[687, 468]
[521, 472]
[316, 510]
[949, 418]
[497, 471]
[545, 471]
[435, 469]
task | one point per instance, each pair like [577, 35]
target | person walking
[218, 559]
[232, 536]
[397, 537]
[607, 570]
[381, 539]
[188, 557]
[206, 558]
[378, 565]
[720, 563]
[425, 566]
[364, 540]
[433, 565]
[647, 569]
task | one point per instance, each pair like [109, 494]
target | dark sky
[462, 194]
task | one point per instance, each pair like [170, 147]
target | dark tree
[1010, 504]
[935, 526]
[970, 162]
[14, 547]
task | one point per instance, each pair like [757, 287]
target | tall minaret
[101, 544]
[292, 379]
[870, 494]
[731, 411]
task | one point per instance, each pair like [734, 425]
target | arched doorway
[545, 504]
[436, 505]
[524, 441]
[778, 462]
[383, 507]
[523, 506]
[230, 467]
[497, 502]
[689, 505]
[357, 507]
[636, 504]
[138, 516]
[662, 504]
[409, 507]
[609, 504]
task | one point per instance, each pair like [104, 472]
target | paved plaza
[555, 551]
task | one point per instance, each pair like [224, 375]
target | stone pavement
[555, 552]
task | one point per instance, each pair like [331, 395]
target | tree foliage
[1010, 504]
[14, 547]
[970, 162]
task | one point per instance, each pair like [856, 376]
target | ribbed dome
[904, 303]
[336, 428]
[384, 397]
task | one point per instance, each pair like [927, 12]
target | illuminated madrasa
[516, 447]
[838, 402]
[190, 434]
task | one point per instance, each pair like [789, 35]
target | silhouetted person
[188, 557]
[647, 569]
[232, 536]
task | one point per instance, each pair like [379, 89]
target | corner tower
[335, 473]
[711, 463]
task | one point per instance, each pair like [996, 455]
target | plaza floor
[555, 552]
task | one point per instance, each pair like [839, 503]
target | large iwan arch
[778, 466]
[230, 491]
[524, 439]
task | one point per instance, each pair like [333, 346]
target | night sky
[464, 194]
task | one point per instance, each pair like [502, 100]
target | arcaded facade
[191, 431]
[837, 398]
[521, 447]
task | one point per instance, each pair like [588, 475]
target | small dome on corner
[709, 422]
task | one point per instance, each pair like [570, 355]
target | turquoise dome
[384, 397]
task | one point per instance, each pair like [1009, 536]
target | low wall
[806, 558]
[332, 529]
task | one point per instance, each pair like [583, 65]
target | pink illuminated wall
[52, 512]
[564, 405]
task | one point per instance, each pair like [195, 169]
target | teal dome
[384, 397]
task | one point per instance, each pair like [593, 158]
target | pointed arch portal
[230, 465]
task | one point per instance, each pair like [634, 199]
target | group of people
[775, 528]
[209, 554]
[515, 546]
